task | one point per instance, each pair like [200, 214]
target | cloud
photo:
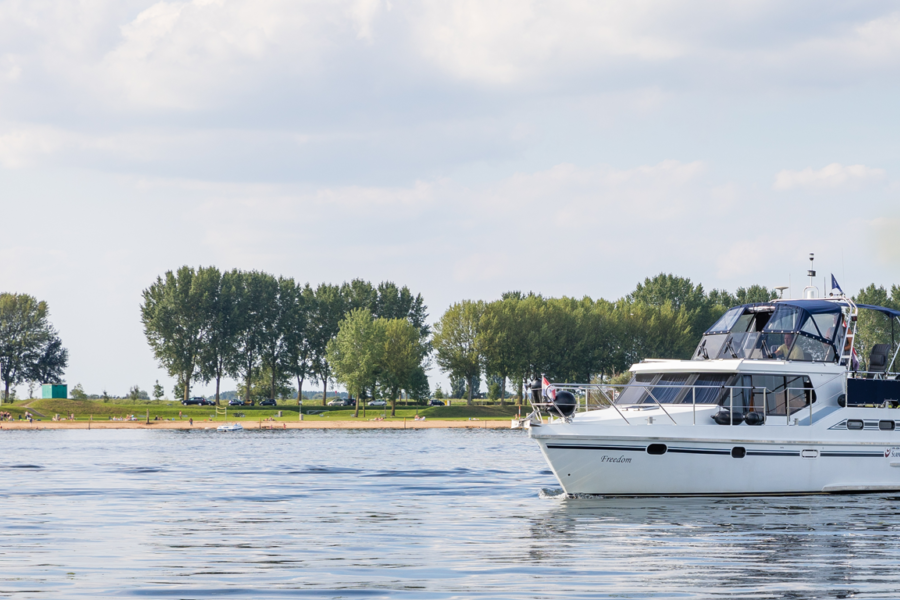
[833, 176]
[24, 146]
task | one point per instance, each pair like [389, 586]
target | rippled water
[394, 514]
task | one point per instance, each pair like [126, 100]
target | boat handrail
[605, 388]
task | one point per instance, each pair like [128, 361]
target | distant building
[54, 390]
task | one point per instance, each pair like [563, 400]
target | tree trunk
[502, 390]
[218, 380]
[356, 413]
[299, 390]
[469, 399]
[187, 386]
[325, 389]
[393, 405]
[519, 391]
[5, 393]
[247, 386]
[273, 382]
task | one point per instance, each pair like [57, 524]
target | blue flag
[834, 284]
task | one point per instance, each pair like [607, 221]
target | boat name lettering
[892, 453]
[621, 459]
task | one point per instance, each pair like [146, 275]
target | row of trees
[30, 348]
[204, 325]
[520, 337]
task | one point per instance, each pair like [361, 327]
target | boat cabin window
[675, 388]
[747, 393]
[775, 392]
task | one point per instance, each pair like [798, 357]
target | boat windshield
[782, 331]
[675, 388]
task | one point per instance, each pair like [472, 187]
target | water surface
[399, 514]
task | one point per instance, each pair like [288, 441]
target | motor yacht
[773, 401]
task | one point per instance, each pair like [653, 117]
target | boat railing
[596, 396]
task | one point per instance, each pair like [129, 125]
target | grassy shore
[115, 410]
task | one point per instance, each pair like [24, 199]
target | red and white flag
[548, 390]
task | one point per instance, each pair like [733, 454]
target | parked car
[376, 403]
[235, 402]
[268, 402]
[436, 403]
[197, 402]
[342, 402]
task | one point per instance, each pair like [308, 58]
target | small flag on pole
[548, 390]
[834, 284]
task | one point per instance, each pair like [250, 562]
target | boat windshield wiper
[765, 349]
[702, 350]
[730, 348]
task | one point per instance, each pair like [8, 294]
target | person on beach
[192, 421]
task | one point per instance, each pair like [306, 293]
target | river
[399, 514]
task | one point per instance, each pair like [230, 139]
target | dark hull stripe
[698, 451]
[770, 453]
[580, 447]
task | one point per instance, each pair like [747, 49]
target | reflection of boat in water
[772, 402]
[230, 427]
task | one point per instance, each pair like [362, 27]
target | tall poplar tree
[173, 314]
[257, 306]
[455, 335]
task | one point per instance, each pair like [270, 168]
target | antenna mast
[811, 291]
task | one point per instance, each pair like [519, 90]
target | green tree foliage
[356, 352]
[297, 305]
[261, 386]
[136, 393]
[205, 325]
[325, 322]
[158, 391]
[30, 348]
[401, 357]
[221, 324]
[455, 342]
[257, 307]
[754, 293]
[874, 327]
[457, 387]
[173, 314]
[77, 392]
[524, 336]
[419, 387]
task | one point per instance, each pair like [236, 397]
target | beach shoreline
[274, 425]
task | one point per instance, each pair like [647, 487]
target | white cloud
[23, 147]
[505, 41]
[832, 176]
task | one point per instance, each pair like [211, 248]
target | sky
[463, 148]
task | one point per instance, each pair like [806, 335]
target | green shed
[55, 390]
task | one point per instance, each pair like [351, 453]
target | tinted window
[667, 395]
[708, 395]
[793, 391]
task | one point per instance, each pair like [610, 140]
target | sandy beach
[307, 424]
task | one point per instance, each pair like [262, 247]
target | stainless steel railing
[609, 393]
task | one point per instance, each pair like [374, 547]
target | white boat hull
[698, 461]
